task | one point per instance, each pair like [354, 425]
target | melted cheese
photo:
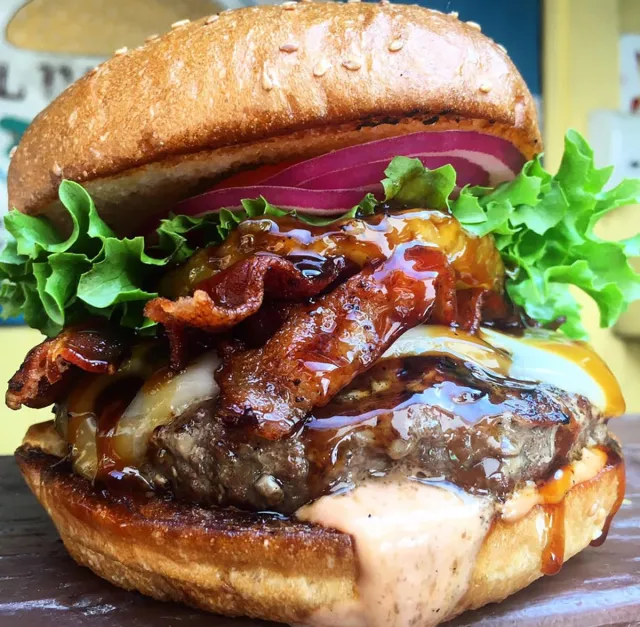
[416, 546]
[160, 401]
[539, 357]
[569, 365]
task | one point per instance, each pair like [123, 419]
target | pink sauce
[416, 546]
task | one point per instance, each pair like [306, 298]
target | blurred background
[581, 59]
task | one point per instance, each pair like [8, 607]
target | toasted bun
[263, 84]
[233, 563]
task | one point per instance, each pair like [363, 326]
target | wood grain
[40, 585]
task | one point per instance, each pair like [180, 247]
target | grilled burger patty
[434, 417]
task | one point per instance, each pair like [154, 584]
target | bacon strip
[481, 306]
[233, 295]
[323, 346]
[470, 304]
[49, 368]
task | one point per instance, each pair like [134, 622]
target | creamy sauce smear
[416, 546]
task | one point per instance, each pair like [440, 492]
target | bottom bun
[239, 564]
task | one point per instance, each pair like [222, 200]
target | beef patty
[434, 417]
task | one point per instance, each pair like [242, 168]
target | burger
[312, 344]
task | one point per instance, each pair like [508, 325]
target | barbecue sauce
[94, 346]
[553, 538]
[615, 461]
[378, 407]
[553, 495]
[475, 261]
[113, 471]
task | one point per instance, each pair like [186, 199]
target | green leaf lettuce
[55, 281]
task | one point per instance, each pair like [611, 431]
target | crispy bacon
[50, 367]
[231, 296]
[322, 346]
[470, 304]
[481, 306]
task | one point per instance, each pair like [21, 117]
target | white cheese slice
[158, 404]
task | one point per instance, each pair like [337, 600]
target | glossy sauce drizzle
[92, 412]
[113, 471]
[381, 410]
[475, 261]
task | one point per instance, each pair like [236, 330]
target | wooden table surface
[41, 585]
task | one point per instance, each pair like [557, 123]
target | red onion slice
[498, 157]
[319, 202]
[309, 186]
[368, 175]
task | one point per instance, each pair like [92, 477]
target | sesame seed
[120, 51]
[57, 170]
[353, 1]
[12, 152]
[396, 45]
[321, 68]
[485, 88]
[454, 14]
[385, 2]
[211, 19]
[474, 25]
[267, 81]
[180, 23]
[288, 6]
[152, 37]
[502, 48]
[352, 64]
[289, 47]
[226, 12]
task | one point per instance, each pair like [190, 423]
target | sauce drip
[553, 543]
[614, 459]
[553, 494]
[92, 412]
[553, 498]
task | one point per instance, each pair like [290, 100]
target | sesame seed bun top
[263, 84]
